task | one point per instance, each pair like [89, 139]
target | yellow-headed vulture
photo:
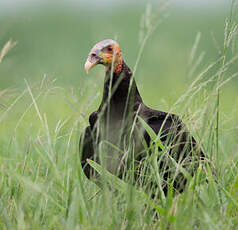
[116, 135]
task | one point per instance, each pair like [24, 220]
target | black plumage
[116, 123]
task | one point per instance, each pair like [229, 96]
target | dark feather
[113, 122]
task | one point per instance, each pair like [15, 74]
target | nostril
[93, 55]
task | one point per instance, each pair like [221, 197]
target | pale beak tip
[87, 66]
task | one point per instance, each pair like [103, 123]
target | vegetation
[41, 182]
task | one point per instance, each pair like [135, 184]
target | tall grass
[42, 185]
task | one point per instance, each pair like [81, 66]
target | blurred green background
[46, 98]
[55, 37]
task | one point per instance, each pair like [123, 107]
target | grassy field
[46, 97]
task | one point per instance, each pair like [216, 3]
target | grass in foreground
[42, 185]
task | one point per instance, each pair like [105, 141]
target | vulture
[120, 132]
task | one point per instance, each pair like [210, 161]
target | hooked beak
[92, 60]
[89, 65]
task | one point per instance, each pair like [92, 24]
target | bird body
[114, 118]
[115, 125]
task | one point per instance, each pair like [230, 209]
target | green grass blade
[123, 187]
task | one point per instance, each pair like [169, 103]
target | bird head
[107, 53]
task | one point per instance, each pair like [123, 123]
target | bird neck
[120, 90]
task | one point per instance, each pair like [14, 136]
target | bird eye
[109, 48]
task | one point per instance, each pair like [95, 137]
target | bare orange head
[107, 53]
